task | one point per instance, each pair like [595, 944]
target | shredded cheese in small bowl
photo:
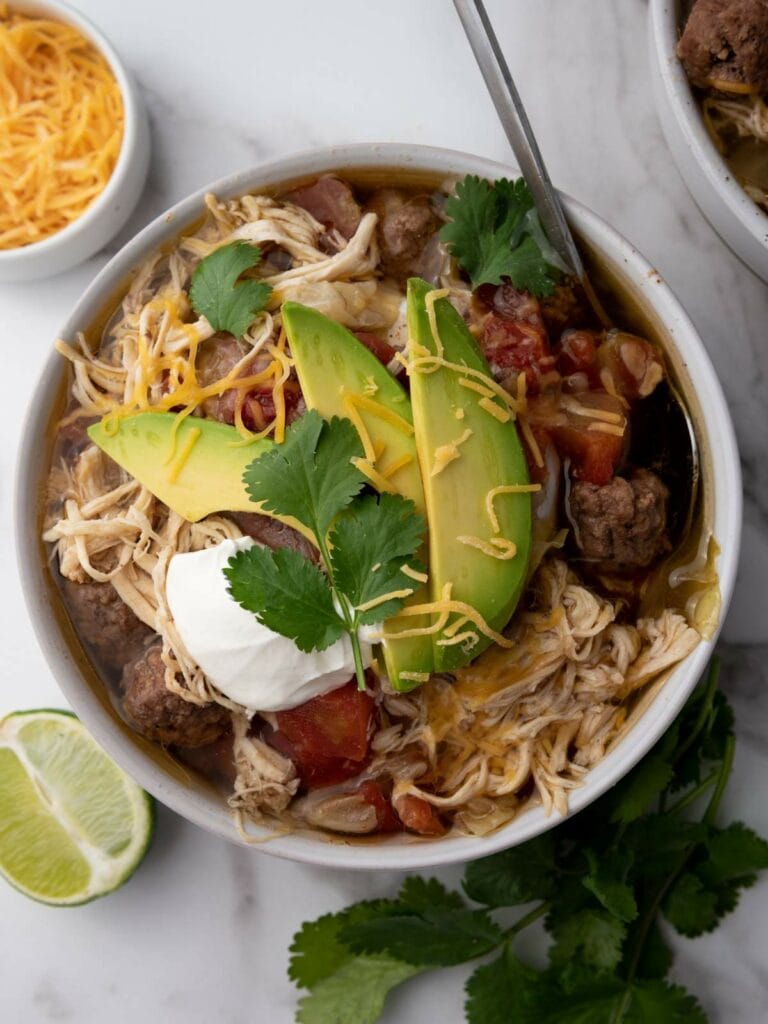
[73, 139]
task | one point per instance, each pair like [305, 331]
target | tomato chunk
[327, 738]
[519, 346]
[634, 365]
[591, 443]
[578, 354]
[419, 816]
[383, 351]
[386, 819]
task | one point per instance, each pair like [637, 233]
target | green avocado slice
[444, 411]
[197, 473]
[333, 367]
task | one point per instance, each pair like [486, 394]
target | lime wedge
[73, 826]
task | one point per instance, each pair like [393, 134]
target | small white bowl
[147, 763]
[735, 217]
[110, 210]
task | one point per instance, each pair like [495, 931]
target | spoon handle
[517, 127]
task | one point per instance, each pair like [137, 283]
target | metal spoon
[517, 128]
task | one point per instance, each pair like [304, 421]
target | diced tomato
[519, 346]
[419, 816]
[383, 351]
[387, 820]
[543, 439]
[594, 454]
[633, 363]
[327, 738]
[259, 407]
[578, 354]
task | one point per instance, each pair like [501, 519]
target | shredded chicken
[539, 714]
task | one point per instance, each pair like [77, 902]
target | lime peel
[73, 826]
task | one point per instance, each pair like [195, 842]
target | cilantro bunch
[217, 293]
[364, 541]
[601, 882]
[494, 232]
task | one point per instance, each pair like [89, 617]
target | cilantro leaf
[355, 994]
[513, 876]
[309, 476]
[493, 232]
[316, 950]
[216, 294]
[501, 992]
[287, 593]
[369, 547]
[655, 957]
[689, 907]
[438, 936]
[595, 936]
[735, 852]
[656, 1002]
[419, 893]
[607, 881]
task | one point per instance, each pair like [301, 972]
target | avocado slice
[199, 473]
[490, 456]
[333, 366]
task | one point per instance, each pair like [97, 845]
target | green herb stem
[693, 795]
[348, 614]
[722, 781]
[527, 919]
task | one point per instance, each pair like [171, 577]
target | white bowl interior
[110, 210]
[737, 219]
[155, 770]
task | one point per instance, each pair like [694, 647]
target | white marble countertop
[201, 932]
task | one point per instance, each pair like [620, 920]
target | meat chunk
[273, 533]
[162, 716]
[105, 622]
[331, 201]
[218, 357]
[623, 524]
[725, 44]
[405, 228]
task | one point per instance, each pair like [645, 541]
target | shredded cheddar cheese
[505, 489]
[415, 677]
[181, 459]
[445, 454]
[396, 465]
[497, 547]
[488, 405]
[383, 598]
[61, 126]
[429, 302]
[367, 469]
[607, 428]
[420, 577]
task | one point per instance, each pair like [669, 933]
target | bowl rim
[132, 116]
[664, 22]
[404, 852]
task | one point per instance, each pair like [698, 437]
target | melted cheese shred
[61, 126]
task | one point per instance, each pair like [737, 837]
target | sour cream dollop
[244, 659]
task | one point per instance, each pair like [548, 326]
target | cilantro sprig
[494, 232]
[601, 883]
[217, 293]
[364, 540]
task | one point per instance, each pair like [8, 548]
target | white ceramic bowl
[735, 217]
[196, 801]
[110, 210]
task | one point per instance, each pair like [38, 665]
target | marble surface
[201, 932]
